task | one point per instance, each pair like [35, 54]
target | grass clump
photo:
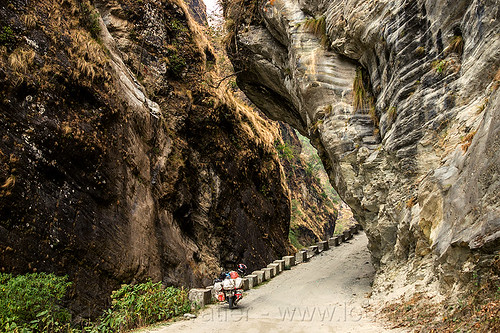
[32, 303]
[29, 20]
[420, 51]
[317, 26]
[456, 45]
[467, 141]
[89, 57]
[359, 90]
[21, 59]
[142, 304]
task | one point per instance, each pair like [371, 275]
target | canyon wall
[313, 212]
[401, 99]
[119, 161]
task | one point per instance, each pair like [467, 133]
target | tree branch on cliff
[225, 78]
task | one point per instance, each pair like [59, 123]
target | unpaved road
[327, 294]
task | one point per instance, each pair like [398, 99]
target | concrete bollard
[212, 291]
[200, 297]
[301, 256]
[354, 229]
[261, 277]
[281, 265]
[252, 280]
[289, 261]
[337, 240]
[268, 273]
[313, 250]
[331, 241]
[275, 268]
[346, 235]
[246, 284]
[323, 246]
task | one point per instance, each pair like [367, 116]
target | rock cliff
[401, 99]
[313, 213]
[118, 160]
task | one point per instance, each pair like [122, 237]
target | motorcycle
[229, 287]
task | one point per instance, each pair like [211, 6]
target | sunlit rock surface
[419, 163]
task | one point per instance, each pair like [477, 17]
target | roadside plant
[32, 303]
[140, 305]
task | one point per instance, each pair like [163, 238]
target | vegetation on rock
[317, 26]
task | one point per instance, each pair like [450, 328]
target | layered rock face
[118, 161]
[314, 214]
[401, 99]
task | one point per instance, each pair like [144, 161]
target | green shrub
[176, 64]
[285, 151]
[293, 237]
[31, 303]
[6, 35]
[439, 65]
[142, 304]
[90, 17]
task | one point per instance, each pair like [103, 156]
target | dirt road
[327, 294]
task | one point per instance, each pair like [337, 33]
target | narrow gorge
[128, 152]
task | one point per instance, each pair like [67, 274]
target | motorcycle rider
[241, 271]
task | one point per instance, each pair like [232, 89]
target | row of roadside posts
[204, 296]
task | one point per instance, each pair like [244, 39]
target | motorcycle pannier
[228, 284]
[217, 286]
[238, 283]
